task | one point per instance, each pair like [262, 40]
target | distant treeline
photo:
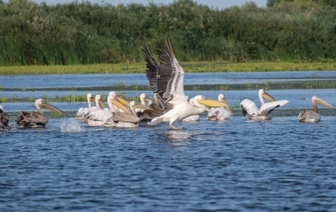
[87, 33]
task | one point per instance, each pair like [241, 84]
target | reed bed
[191, 67]
[80, 33]
[327, 84]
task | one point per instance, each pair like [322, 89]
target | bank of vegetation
[81, 33]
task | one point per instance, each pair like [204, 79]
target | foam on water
[71, 126]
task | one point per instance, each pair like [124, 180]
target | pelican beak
[140, 106]
[227, 107]
[268, 97]
[207, 109]
[50, 107]
[148, 99]
[102, 105]
[322, 102]
[92, 99]
[120, 105]
[212, 103]
[123, 101]
[157, 107]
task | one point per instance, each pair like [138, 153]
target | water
[235, 165]
[103, 80]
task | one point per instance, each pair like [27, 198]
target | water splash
[71, 126]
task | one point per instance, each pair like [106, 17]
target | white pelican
[220, 113]
[264, 113]
[81, 111]
[96, 117]
[35, 119]
[124, 119]
[4, 119]
[93, 110]
[167, 82]
[312, 115]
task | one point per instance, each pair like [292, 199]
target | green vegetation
[188, 67]
[81, 33]
[327, 84]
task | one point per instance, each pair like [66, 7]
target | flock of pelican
[170, 104]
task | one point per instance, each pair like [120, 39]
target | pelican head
[227, 107]
[220, 97]
[116, 97]
[119, 102]
[40, 103]
[134, 104]
[316, 100]
[265, 95]
[208, 102]
[144, 99]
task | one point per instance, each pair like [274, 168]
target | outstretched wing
[249, 108]
[152, 71]
[171, 79]
[270, 106]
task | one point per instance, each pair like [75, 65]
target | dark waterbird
[4, 120]
[35, 119]
[313, 115]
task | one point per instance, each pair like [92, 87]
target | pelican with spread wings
[265, 111]
[167, 82]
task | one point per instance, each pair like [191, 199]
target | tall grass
[86, 33]
[188, 67]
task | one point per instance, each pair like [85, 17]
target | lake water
[235, 165]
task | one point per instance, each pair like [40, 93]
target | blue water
[98, 80]
[298, 98]
[235, 165]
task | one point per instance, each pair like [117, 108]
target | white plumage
[167, 82]
[264, 113]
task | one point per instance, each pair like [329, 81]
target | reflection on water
[71, 126]
[177, 137]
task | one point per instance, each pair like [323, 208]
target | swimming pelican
[148, 115]
[90, 112]
[312, 115]
[220, 113]
[4, 119]
[167, 82]
[81, 111]
[264, 113]
[35, 119]
[95, 118]
[124, 119]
